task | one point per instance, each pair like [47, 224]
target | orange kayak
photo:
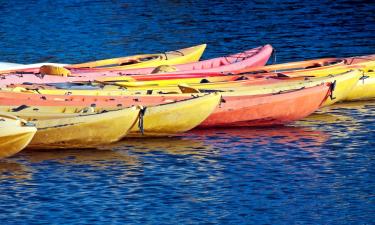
[268, 110]
[241, 110]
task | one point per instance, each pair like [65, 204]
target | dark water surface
[317, 171]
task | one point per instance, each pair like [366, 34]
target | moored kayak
[268, 110]
[158, 120]
[15, 135]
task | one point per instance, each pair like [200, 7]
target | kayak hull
[179, 117]
[14, 136]
[84, 131]
[268, 110]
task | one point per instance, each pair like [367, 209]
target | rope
[165, 54]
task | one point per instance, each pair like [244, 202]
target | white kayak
[17, 66]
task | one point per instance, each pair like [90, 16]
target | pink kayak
[254, 57]
[250, 58]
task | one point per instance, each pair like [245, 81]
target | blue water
[317, 171]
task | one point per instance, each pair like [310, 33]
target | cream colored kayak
[84, 131]
[4, 67]
[15, 134]
[159, 120]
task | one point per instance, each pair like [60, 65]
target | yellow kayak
[15, 135]
[181, 56]
[162, 83]
[84, 131]
[159, 120]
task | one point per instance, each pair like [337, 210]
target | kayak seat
[20, 108]
[241, 78]
[204, 81]
[281, 75]
[315, 65]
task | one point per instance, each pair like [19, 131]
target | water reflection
[209, 142]
[179, 145]
[236, 137]
[360, 105]
[343, 119]
[91, 157]
[11, 169]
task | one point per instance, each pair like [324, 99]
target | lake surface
[317, 171]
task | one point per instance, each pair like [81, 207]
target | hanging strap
[332, 88]
[140, 119]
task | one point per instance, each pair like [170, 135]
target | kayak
[186, 55]
[11, 67]
[6, 65]
[112, 95]
[231, 102]
[15, 135]
[268, 110]
[181, 56]
[249, 58]
[254, 57]
[84, 131]
[159, 120]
